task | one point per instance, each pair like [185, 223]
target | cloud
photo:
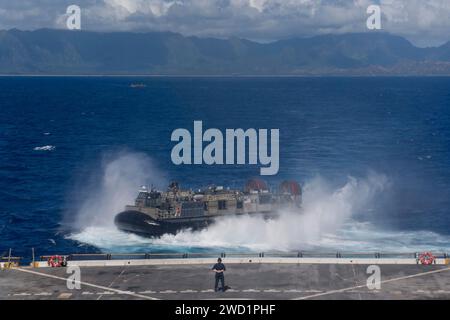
[422, 21]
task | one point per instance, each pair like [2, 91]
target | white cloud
[423, 21]
[153, 7]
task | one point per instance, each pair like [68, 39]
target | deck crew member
[219, 269]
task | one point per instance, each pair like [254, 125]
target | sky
[423, 22]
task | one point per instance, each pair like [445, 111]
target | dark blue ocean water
[108, 137]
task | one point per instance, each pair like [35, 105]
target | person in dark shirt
[219, 269]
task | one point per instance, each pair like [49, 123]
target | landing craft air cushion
[155, 213]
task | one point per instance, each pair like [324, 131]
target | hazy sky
[424, 22]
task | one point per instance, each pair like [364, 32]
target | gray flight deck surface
[247, 281]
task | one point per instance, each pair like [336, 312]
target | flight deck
[257, 278]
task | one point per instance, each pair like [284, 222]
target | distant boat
[45, 148]
[138, 85]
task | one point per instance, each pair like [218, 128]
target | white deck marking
[88, 284]
[106, 292]
[146, 292]
[365, 285]
[168, 291]
[114, 280]
[128, 292]
[227, 299]
[442, 292]
[272, 290]
[423, 291]
[300, 291]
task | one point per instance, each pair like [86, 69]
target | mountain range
[64, 52]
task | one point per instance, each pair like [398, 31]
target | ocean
[372, 155]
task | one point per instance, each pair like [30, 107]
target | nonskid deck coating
[247, 281]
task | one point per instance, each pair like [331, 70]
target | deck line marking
[147, 292]
[43, 294]
[168, 291]
[105, 293]
[100, 296]
[88, 284]
[365, 285]
[442, 291]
